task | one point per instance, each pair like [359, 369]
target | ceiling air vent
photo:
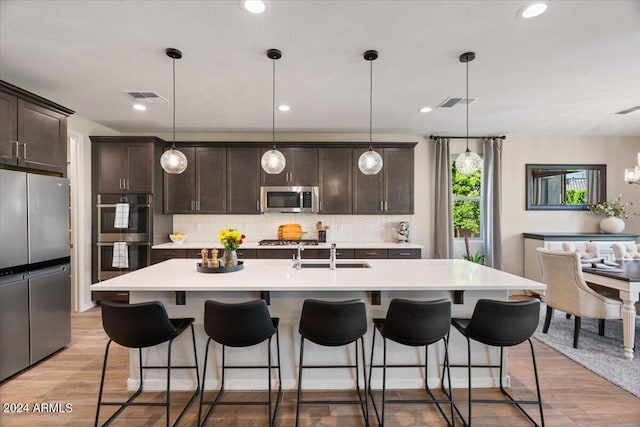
[628, 110]
[453, 102]
[147, 97]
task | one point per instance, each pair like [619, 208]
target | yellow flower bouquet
[230, 238]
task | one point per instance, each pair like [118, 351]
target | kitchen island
[420, 279]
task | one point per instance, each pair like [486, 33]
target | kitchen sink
[338, 265]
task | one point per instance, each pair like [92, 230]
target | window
[467, 199]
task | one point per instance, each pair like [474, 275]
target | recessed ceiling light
[255, 6]
[425, 109]
[139, 107]
[283, 108]
[533, 10]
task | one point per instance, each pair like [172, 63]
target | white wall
[617, 153]
[82, 128]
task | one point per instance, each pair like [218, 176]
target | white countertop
[254, 245]
[278, 275]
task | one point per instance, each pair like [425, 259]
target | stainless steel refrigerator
[35, 285]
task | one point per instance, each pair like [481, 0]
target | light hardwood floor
[572, 395]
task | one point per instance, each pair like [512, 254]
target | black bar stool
[415, 324]
[139, 326]
[240, 325]
[501, 324]
[334, 324]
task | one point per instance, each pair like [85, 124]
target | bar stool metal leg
[299, 381]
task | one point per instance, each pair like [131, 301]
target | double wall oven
[135, 233]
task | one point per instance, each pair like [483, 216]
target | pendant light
[468, 162]
[370, 162]
[273, 161]
[173, 161]
[632, 175]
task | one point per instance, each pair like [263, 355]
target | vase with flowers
[613, 213]
[231, 239]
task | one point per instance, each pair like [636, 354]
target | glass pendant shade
[173, 161]
[273, 162]
[370, 162]
[468, 162]
[632, 175]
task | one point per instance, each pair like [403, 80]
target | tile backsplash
[342, 228]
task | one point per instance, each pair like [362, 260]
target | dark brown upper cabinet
[8, 129]
[301, 168]
[201, 187]
[391, 190]
[398, 181]
[243, 180]
[336, 175]
[124, 166]
[33, 131]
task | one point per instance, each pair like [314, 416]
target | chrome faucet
[297, 260]
[332, 257]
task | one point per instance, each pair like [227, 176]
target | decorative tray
[202, 269]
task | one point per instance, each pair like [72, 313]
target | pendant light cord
[467, 100]
[273, 106]
[173, 146]
[370, 104]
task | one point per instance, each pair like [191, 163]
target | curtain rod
[471, 137]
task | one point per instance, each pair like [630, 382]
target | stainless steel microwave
[289, 199]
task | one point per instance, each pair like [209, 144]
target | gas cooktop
[268, 242]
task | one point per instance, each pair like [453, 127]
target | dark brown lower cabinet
[340, 253]
[285, 253]
[405, 253]
[159, 255]
[370, 253]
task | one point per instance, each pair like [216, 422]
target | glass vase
[229, 258]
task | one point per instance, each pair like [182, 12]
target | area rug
[602, 355]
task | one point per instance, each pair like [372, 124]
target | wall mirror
[565, 187]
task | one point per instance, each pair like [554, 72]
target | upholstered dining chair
[626, 251]
[567, 291]
[586, 250]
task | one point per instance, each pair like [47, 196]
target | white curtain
[492, 198]
[443, 212]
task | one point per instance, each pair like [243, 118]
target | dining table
[625, 278]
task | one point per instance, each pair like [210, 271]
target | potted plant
[478, 257]
[613, 213]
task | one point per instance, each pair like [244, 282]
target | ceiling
[563, 73]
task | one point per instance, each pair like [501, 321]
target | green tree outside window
[467, 195]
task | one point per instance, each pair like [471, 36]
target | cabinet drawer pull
[24, 150]
[381, 205]
[404, 254]
[371, 253]
[122, 294]
[385, 205]
[17, 149]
